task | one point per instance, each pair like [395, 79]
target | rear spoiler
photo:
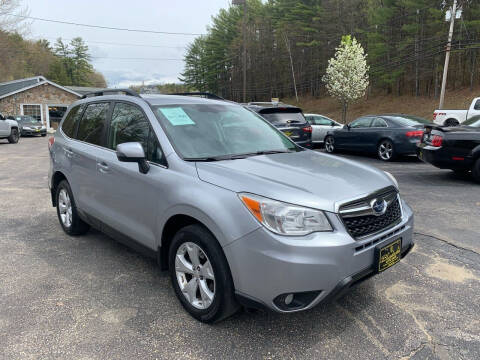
[429, 128]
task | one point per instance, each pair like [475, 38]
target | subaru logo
[379, 206]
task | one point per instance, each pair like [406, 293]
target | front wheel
[200, 275]
[14, 136]
[330, 144]
[476, 170]
[386, 150]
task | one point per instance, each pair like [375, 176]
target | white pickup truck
[456, 117]
[9, 130]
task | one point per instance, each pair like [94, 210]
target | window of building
[34, 111]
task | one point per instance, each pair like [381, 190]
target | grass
[419, 106]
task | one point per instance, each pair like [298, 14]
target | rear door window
[322, 121]
[379, 123]
[92, 126]
[361, 123]
[69, 125]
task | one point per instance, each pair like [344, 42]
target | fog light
[288, 299]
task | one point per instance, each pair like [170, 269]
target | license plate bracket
[388, 255]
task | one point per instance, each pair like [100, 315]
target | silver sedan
[320, 125]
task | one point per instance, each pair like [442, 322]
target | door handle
[102, 167]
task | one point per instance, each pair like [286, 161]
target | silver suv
[236, 211]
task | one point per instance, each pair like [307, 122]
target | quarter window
[129, 124]
[70, 122]
[92, 125]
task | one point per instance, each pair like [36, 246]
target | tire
[14, 136]
[67, 213]
[217, 301]
[386, 150]
[451, 122]
[329, 144]
[43, 135]
[476, 170]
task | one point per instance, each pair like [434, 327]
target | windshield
[26, 119]
[409, 120]
[211, 131]
[280, 117]
[474, 122]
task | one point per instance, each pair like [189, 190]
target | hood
[306, 178]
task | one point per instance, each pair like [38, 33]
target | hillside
[421, 106]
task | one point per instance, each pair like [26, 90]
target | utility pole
[447, 55]
[287, 44]
[244, 45]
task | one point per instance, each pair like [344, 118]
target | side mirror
[133, 152]
[346, 127]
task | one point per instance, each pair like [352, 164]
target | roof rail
[206, 95]
[129, 92]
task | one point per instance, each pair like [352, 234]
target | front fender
[219, 209]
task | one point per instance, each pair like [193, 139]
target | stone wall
[45, 94]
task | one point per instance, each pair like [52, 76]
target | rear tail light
[418, 133]
[437, 140]
[434, 116]
[51, 141]
[307, 129]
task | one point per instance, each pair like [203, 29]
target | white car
[320, 126]
[456, 117]
[9, 130]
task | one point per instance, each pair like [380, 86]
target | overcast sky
[189, 16]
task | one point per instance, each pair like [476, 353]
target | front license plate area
[388, 255]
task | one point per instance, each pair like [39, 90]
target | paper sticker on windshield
[177, 116]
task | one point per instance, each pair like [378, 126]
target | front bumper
[265, 266]
[33, 132]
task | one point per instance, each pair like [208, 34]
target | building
[39, 98]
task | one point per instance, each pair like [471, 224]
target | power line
[102, 27]
[120, 44]
[128, 58]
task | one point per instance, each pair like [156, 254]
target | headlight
[393, 179]
[43, 127]
[285, 219]
[27, 128]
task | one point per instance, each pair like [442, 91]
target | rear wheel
[330, 144]
[200, 275]
[451, 122]
[14, 136]
[67, 211]
[476, 170]
[386, 150]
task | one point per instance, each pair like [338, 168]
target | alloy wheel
[329, 144]
[65, 208]
[194, 274]
[385, 150]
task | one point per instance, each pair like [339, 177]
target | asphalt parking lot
[92, 298]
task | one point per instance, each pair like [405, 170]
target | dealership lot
[92, 298]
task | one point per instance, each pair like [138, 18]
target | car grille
[360, 221]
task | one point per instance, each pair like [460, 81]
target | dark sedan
[455, 148]
[286, 118]
[30, 126]
[386, 135]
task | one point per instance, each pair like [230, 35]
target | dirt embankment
[420, 106]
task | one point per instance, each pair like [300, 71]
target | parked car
[235, 210]
[320, 126]
[455, 148]
[456, 117]
[286, 118]
[30, 126]
[386, 135]
[9, 130]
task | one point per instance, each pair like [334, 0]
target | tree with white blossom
[346, 77]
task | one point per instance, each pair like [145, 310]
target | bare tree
[13, 16]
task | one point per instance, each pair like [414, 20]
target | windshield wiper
[209, 158]
[237, 156]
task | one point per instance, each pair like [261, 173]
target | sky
[186, 16]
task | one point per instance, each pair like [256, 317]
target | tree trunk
[344, 112]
